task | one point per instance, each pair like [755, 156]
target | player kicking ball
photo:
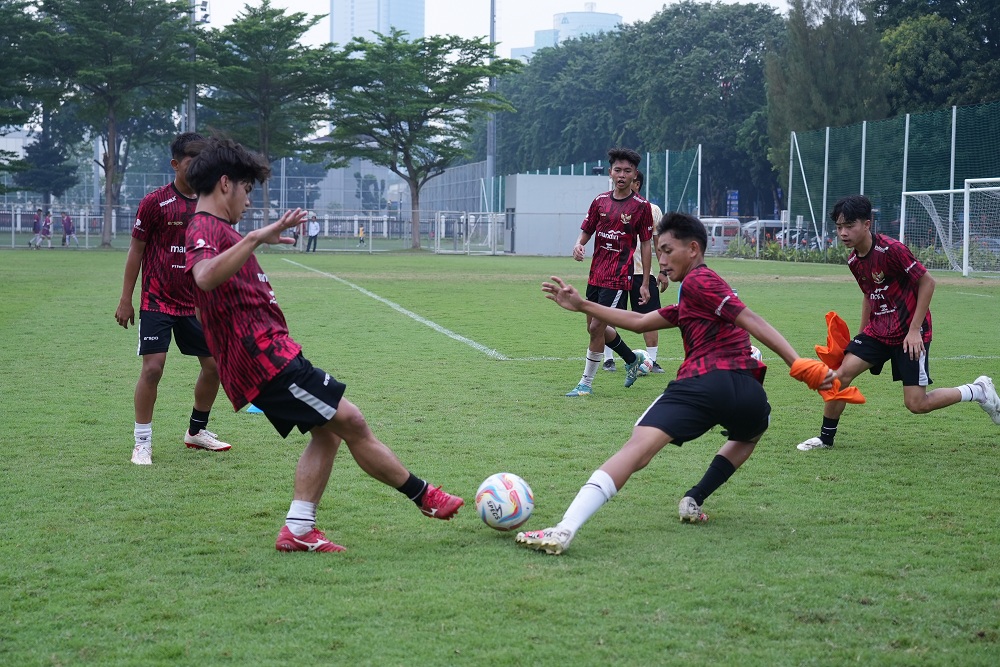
[895, 323]
[717, 383]
[258, 361]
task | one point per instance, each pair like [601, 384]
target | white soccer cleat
[812, 443]
[142, 455]
[991, 403]
[552, 541]
[690, 511]
[205, 440]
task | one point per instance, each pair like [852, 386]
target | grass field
[883, 551]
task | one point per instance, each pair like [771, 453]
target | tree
[48, 169]
[410, 105]
[16, 24]
[830, 73]
[269, 91]
[120, 59]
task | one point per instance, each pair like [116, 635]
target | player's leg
[850, 368]
[915, 376]
[650, 338]
[311, 476]
[144, 400]
[595, 344]
[727, 461]
[191, 342]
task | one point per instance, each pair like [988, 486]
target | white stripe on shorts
[618, 297]
[924, 378]
[327, 411]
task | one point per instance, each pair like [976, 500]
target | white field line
[494, 354]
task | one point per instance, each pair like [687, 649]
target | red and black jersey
[888, 275]
[617, 226]
[705, 312]
[160, 223]
[244, 327]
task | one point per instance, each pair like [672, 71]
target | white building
[362, 18]
[570, 25]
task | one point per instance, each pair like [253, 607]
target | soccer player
[260, 362]
[651, 338]
[620, 221]
[895, 323]
[166, 305]
[46, 232]
[36, 228]
[69, 230]
[717, 383]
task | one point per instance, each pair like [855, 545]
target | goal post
[955, 229]
[462, 232]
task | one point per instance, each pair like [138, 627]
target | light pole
[491, 124]
[192, 103]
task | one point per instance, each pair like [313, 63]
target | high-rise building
[362, 18]
[569, 25]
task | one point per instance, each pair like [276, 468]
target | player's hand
[913, 345]
[125, 314]
[663, 282]
[579, 252]
[563, 294]
[831, 375]
[644, 293]
[272, 234]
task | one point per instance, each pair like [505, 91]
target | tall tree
[123, 59]
[48, 169]
[830, 73]
[269, 91]
[410, 105]
[16, 24]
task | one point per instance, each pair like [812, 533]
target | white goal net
[460, 232]
[954, 229]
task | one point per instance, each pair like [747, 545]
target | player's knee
[918, 406]
[151, 373]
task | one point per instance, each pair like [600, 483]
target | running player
[620, 221]
[166, 305]
[717, 383]
[260, 362]
[895, 323]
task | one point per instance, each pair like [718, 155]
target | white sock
[143, 434]
[972, 392]
[608, 353]
[594, 360]
[301, 517]
[651, 350]
[599, 489]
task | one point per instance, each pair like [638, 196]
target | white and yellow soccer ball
[647, 364]
[504, 501]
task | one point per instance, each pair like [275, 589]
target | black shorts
[688, 408]
[155, 330]
[654, 295]
[301, 395]
[911, 373]
[612, 298]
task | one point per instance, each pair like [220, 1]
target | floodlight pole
[192, 88]
[491, 124]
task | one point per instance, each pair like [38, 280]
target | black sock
[413, 488]
[199, 420]
[828, 431]
[623, 350]
[719, 471]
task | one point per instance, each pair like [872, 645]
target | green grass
[883, 551]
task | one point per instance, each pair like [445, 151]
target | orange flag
[813, 372]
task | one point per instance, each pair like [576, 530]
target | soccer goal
[461, 232]
[954, 229]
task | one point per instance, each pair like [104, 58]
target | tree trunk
[110, 172]
[414, 215]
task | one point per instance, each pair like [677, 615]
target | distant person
[46, 233]
[258, 359]
[166, 305]
[718, 383]
[621, 222]
[69, 230]
[651, 338]
[36, 229]
[313, 233]
[895, 323]
[361, 235]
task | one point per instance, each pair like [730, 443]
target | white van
[720, 232]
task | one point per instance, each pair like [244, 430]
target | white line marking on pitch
[986, 296]
[423, 320]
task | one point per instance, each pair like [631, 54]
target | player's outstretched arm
[760, 329]
[210, 273]
[566, 296]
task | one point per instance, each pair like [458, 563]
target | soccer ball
[646, 365]
[504, 501]
[755, 353]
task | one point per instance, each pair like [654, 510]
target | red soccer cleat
[439, 505]
[314, 540]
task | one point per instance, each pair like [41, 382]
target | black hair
[639, 178]
[625, 154]
[219, 156]
[684, 227]
[180, 147]
[853, 208]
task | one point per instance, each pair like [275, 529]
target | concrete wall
[544, 212]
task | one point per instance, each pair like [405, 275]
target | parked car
[720, 232]
[764, 230]
[805, 239]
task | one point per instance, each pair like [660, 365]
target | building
[570, 25]
[362, 18]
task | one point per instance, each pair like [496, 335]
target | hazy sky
[517, 20]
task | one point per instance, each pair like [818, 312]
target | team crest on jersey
[626, 218]
[879, 277]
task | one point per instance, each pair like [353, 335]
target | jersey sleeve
[670, 314]
[593, 215]
[712, 295]
[199, 243]
[646, 223]
[146, 218]
[904, 261]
